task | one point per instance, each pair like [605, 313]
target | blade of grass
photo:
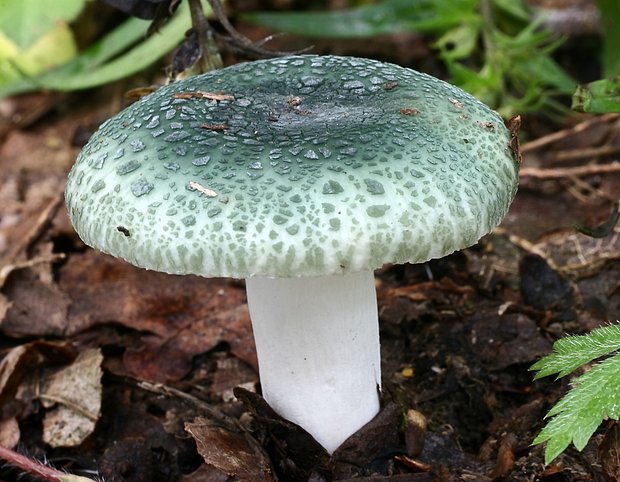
[388, 17]
[360, 22]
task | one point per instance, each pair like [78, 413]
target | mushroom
[301, 175]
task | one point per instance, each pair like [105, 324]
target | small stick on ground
[559, 172]
[216, 96]
[566, 133]
[584, 153]
[7, 269]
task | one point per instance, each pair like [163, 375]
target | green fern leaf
[594, 397]
[573, 352]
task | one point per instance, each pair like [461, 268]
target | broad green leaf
[573, 352]
[594, 397]
[598, 97]
[53, 49]
[93, 67]
[8, 48]
[35, 36]
[25, 21]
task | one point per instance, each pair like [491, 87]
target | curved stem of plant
[490, 48]
[36, 468]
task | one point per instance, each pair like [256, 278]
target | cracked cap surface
[295, 166]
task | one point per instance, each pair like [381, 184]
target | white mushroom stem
[317, 340]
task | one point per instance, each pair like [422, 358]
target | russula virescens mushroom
[301, 175]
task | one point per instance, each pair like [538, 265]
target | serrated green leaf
[573, 352]
[594, 397]
[598, 97]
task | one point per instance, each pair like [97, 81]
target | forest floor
[111, 371]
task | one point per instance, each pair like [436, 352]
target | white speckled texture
[318, 166]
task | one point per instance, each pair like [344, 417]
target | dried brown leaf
[37, 308]
[167, 358]
[181, 316]
[23, 362]
[229, 451]
[9, 432]
[505, 457]
[47, 151]
[205, 473]
[5, 304]
[66, 427]
[76, 393]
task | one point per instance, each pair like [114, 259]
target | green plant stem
[490, 46]
[208, 61]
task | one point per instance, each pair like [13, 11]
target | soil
[162, 368]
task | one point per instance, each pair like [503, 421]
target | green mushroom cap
[295, 166]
